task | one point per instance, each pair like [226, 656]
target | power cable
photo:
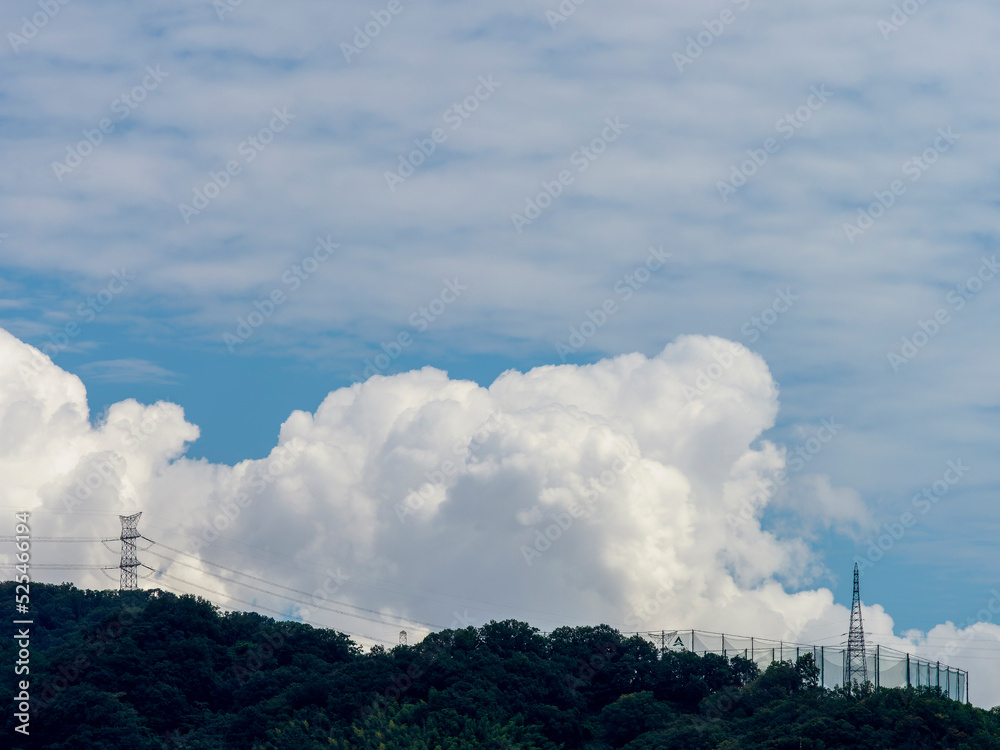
[256, 606]
[34, 539]
[499, 607]
[58, 566]
[358, 580]
[403, 620]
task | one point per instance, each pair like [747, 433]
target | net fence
[886, 667]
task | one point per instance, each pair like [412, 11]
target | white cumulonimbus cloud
[629, 491]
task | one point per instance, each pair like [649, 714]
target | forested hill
[153, 670]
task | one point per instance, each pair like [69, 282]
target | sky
[721, 246]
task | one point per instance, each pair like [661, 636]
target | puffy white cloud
[611, 492]
[51, 454]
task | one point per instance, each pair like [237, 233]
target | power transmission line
[261, 606]
[59, 566]
[55, 539]
[357, 580]
[354, 580]
[975, 647]
[403, 620]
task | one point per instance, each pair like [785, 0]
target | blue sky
[822, 176]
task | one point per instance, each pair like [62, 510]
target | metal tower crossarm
[130, 562]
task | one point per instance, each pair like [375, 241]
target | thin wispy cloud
[128, 371]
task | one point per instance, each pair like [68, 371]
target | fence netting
[886, 667]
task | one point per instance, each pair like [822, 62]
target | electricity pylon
[855, 661]
[129, 562]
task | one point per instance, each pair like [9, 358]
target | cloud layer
[609, 492]
[822, 175]
[188, 91]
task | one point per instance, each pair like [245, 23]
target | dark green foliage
[149, 670]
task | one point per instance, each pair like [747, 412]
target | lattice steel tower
[129, 562]
[855, 661]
